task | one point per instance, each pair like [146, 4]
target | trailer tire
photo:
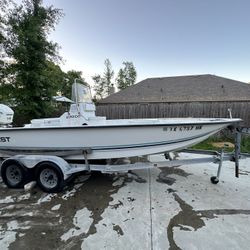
[214, 180]
[49, 177]
[15, 174]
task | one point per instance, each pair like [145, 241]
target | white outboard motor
[6, 115]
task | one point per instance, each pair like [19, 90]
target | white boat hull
[110, 140]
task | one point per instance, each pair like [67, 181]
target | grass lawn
[216, 143]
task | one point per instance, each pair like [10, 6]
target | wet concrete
[188, 217]
[164, 177]
[46, 226]
[118, 229]
[147, 209]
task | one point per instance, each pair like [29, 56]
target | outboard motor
[6, 115]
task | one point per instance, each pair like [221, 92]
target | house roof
[193, 88]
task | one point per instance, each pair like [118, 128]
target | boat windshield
[81, 93]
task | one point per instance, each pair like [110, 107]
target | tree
[103, 84]
[4, 89]
[126, 76]
[68, 80]
[107, 76]
[120, 80]
[99, 86]
[28, 26]
[55, 76]
[3, 9]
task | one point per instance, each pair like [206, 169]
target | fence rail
[185, 109]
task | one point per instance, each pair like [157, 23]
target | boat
[79, 129]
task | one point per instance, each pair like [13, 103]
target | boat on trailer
[81, 136]
[79, 128]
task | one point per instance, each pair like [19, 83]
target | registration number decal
[182, 128]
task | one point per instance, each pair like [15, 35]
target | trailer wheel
[14, 174]
[49, 177]
[214, 179]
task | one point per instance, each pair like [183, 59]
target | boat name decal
[4, 139]
[182, 128]
[72, 116]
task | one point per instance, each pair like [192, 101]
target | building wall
[186, 109]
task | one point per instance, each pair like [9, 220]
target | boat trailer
[51, 173]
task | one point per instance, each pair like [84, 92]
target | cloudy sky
[161, 37]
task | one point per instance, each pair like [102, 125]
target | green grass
[245, 144]
[207, 144]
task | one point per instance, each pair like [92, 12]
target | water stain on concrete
[135, 177]
[188, 217]
[170, 190]
[115, 206]
[118, 229]
[46, 225]
[164, 177]
[97, 194]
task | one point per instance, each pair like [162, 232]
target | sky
[161, 37]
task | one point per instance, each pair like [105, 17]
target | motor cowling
[6, 115]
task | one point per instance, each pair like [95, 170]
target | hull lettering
[4, 139]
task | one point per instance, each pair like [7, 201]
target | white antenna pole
[76, 91]
[230, 113]
[76, 94]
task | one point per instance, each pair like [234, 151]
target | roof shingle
[193, 88]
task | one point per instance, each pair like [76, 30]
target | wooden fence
[240, 109]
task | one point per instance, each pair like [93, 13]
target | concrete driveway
[168, 208]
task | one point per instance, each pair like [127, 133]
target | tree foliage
[3, 10]
[103, 84]
[68, 80]
[108, 76]
[4, 4]
[126, 76]
[120, 79]
[98, 86]
[33, 72]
